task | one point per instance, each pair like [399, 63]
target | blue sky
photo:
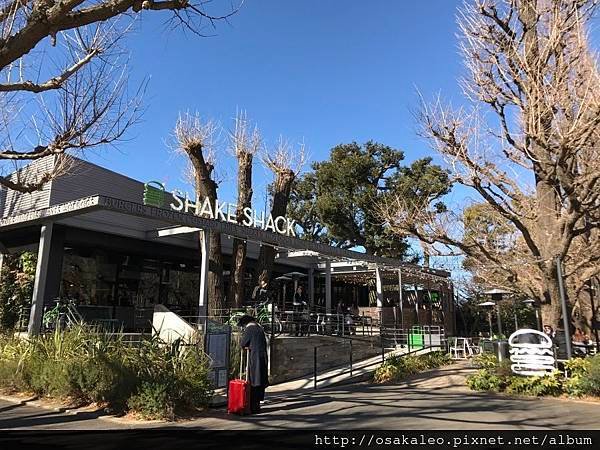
[322, 72]
[325, 72]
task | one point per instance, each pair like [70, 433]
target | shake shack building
[120, 246]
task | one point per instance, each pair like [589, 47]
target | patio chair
[471, 349]
[458, 349]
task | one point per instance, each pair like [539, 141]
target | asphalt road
[436, 400]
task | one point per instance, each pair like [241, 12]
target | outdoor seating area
[304, 322]
[463, 347]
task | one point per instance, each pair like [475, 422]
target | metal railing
[350, 367]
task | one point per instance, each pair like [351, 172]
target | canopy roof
[91, 204]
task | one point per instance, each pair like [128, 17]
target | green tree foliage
[472, 319]
[337, 201]
[303, 207]
[16, 287]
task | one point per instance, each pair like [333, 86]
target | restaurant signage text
[156, 195]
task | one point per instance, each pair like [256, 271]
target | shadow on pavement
[23, 417]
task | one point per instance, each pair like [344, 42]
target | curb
[131, 423]
[34, 401]
[535, 398]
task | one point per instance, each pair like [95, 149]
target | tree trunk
[206, 187]
[235, 296]
[546, 232]
[238, 258]
[281, 195]
[551, 308]
[216, 295]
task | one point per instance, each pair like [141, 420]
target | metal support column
[328, 287]
[204, 265]
[593, 293]
[311, 287]
[379, 287]
[565, 310]
[499, 320]
[401, 299]
[41, 276]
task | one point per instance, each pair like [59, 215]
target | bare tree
[195, 139]
[63, 77]
[286, 162]
[245, 143]
[535, 160]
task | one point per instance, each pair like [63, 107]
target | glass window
[88, 277]
[181, 287]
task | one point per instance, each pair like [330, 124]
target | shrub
[582, 378]
[393, 369]
[91, 366]
[152, 401]
[12, 358]
[536, 386]
[398, 367]
[503, 369]
[485, 380]
[178, 380]
[436, 359]
[591, 383]
[577, 370]
[486, 361]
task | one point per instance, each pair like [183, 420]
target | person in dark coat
[260, 295]
[255, 341]
[560, 343]
[299, 304]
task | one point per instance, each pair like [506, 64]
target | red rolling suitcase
[238, 396]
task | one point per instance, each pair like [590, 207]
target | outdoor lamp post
[295, 276]
[565, 309]
[496, 296]
[490, 307]
[593, 291]
[531, 302]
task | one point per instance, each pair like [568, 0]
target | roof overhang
[90, 204]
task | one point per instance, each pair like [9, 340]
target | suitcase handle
[244, 351]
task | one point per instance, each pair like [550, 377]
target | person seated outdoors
[580, 342]
[579, 337]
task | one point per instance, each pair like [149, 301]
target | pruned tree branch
[73, 95]
[534, 160]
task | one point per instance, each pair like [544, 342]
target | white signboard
[531, 353]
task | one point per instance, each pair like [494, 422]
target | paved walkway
[360, 370]
[433, 400]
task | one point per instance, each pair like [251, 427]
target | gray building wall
[13, 203]
[86, 179]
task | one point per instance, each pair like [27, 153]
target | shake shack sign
[156, 195]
